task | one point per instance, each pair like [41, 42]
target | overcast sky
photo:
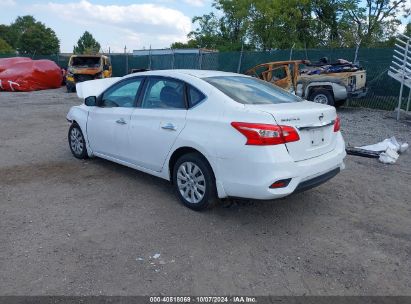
[134, 23]
[114, 24]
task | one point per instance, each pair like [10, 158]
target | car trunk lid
[313, 122]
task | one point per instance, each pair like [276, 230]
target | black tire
[209, 195]
[77, 147]
[339, 103]
[70, 88]
[322, 94]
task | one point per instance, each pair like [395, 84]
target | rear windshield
[89, 62]
[248, 90]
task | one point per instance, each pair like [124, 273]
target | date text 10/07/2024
[203, 299]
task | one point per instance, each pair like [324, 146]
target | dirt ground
[71, 227]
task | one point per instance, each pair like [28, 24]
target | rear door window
[164, 93]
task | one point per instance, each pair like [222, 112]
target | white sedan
[212, 134]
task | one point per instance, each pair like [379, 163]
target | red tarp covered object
[23, 74]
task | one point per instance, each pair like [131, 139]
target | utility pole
[149, 58]
[172, 62]
[200, 60]
[291, 51]
[125, 53]
[241, 57]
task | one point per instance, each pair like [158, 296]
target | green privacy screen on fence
[382, 94]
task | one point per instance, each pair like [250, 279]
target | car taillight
[281, 183]
[265, 134]
[337, 124]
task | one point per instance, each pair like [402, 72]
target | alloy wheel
[76, 141]
[191, 182]
[321, 98]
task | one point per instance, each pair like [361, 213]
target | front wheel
[77, 142]
[70, 88]
[322, 96]
[194, 182]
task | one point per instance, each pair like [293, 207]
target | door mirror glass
[90, 101]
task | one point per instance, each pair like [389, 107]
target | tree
[191, 44]
[38, 40]
[5, 48]
[407, 31]
[267, 25]
[18, 28]
[207, 34]
[6, 35]
[279, 24]
[325, 23]
[233, 25]
[371, 21]
[30, 37]
[257, 24]
[86, 45]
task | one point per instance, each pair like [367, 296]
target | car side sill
[130, 165]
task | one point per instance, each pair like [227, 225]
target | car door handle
[169, 126]
[121, 121]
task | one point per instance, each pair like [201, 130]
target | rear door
[108, 124]
[314, 123]
[157, 122]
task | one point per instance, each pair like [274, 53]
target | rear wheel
[322, 96]
[194, 182]
[77, 142]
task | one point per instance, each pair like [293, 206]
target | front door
[108, 123]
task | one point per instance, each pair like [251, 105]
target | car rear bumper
[358, 93]
[253, 179]
[316, 181]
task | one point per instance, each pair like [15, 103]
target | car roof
[89, 56]
[194, 73]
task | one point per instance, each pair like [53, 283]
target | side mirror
[91, 101]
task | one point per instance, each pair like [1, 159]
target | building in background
[172, 51]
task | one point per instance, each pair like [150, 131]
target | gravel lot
[71, 227]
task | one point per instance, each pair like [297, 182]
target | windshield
[248, 90]
[90, 62]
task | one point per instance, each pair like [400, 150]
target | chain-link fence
[382, 90]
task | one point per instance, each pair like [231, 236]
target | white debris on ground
[388, 157]
[389, 148]
[156, 256]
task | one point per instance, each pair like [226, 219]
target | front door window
[122, 95]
